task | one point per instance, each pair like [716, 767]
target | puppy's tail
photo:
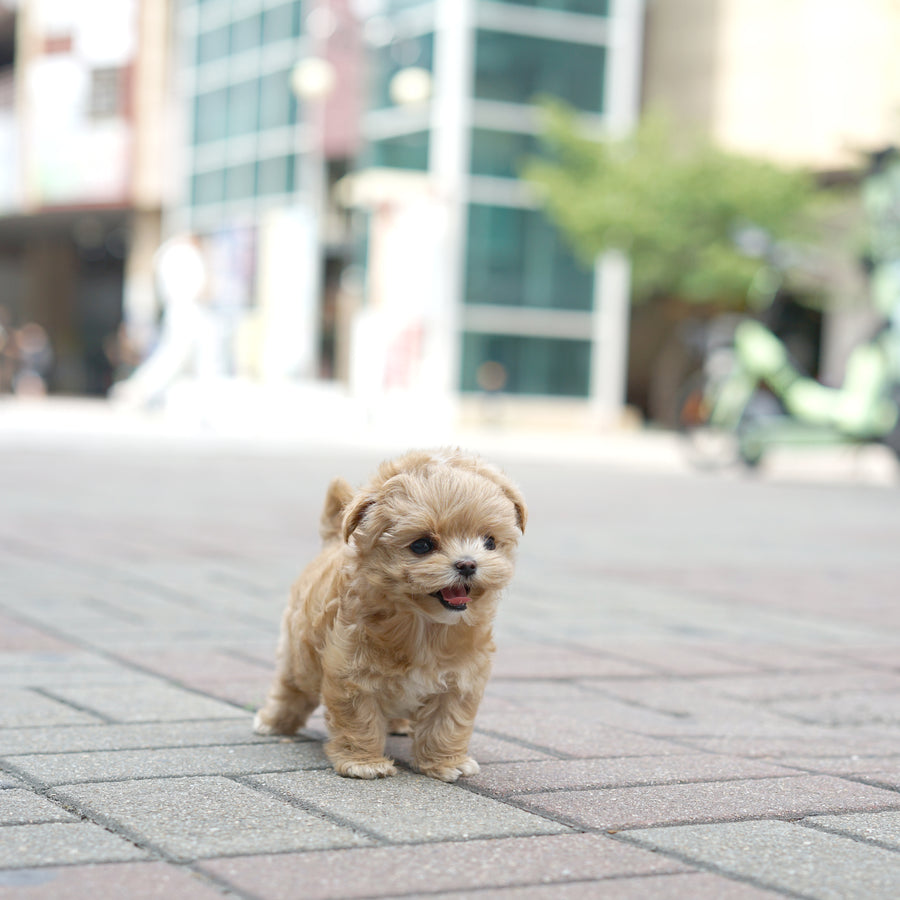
[339, 495]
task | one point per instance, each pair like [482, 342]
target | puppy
[390, 626]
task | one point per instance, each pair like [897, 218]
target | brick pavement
[697, 693]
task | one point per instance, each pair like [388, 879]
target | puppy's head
[437, 533]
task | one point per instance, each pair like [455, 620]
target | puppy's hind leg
[286, 709]
[294, 693]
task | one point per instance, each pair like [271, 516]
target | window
[533, 365]
[281, 22]
[408, 151]
[277, 104]
[212, 45]
[208, 187]
[587, 7]
[275, 176]
[514, 68]
[103, 101]
[245, 34]
[240, 181]
[516, 258]
[243, 107]
[400, 54]
[500, 153]
[210, 116]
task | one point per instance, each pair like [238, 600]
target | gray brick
[408, 807]
[136, 881]
[654, 887]
[586, 773]
[881, 828]
[148, 703]
[55, 844]
[710, 801]
[72, 739]
[23, 807]
[22, 708]
[785, 857]
[389, 871]
[190, 818]
[118, 765]
[571, 734]
[48, 669]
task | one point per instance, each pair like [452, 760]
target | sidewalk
[696, 693]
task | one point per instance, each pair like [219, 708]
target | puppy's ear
[518, 501]
[354, 513]
[508, 488]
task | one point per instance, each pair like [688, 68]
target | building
[448, 90]
[81, 100]
[525, 317]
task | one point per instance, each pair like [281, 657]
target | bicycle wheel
[706, 446]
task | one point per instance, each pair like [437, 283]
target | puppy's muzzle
[466, 567]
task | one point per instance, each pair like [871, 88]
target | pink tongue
[455, 596]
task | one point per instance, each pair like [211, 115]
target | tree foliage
[675, 206]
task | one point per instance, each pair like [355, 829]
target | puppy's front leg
[358, 730]
[441, 735]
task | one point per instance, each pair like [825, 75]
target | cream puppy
[390, 625]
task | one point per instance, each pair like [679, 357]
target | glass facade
[516, 258]
[238, 101]
[408, 151]
[587, 7]
[517, 68]
[413, 51]
[533, 365]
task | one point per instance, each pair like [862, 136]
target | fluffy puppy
[390, 625]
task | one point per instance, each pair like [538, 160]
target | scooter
[749, 396]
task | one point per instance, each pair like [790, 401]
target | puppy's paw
[260, 727]
[376, 768]
[450, 772]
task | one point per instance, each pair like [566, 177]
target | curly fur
[365, 631]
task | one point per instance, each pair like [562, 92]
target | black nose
[466, 567]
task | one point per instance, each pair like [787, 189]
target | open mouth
[454, 598]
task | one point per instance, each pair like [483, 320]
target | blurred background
[355, 205]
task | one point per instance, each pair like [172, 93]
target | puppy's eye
[422, 546]
[490, 543]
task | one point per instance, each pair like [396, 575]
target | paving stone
[408, 807]
[654, 887]
[71, 738]
[674, 658]
[391, 871]
[136, 881]
[190, 818]
[56, 844]
[702, 802]
[586, 773]
[838, 743]
[571, 735]
[151, 703]
[883, 770]
[24, 807]
[18, 636]
[881, 828]
[118, 765]
[48, 670]
[861, 707]
[784, 856]
[20, 708]
[484, 748]
[549, 661]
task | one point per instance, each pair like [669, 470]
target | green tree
[675, 206]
